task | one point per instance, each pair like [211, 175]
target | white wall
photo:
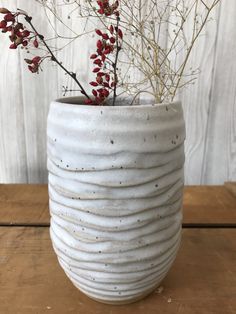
[209, 105]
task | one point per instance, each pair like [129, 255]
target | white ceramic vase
[115, 185]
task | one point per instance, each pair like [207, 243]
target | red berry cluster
[109, 42]
[34, 64]
[106, 9]
[19, 36]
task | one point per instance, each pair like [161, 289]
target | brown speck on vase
[112, 142]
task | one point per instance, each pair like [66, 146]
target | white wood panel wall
[209, 105]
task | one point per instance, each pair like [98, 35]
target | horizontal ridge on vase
[115, 186]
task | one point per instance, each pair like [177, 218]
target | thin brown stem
[53, 57]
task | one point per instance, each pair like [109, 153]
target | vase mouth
[120, 102]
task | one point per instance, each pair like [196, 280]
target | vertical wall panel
[13, 160]
[220, 158]
[196, 99]
[37, 90]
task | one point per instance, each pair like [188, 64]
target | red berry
[9, 17]
[101, 11]
[97, 61]
[93, 56]
[105, 36]
[13, 46]
[94, 92]
[93, 84]
[111, 29]
[25, 43]
[105, 84]
[103, 57]
[98, 32]
[106, 92]
[36, 60]
[3, 24]
[88, 101]
[19, 34]
[35, 43]
[112, 40]
[107, 77]
[99, 51]
[107, 51]
[25, 33]
[99, 44]
[99, 79]
[96, 70]
[120, 34]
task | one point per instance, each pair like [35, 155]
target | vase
[115, 186]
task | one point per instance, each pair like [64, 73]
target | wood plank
[202, 279]
[28, 204]
[209, 204]
[24, 204]
[231, 186]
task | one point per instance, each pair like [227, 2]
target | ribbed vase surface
[115, 188]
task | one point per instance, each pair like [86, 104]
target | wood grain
[28, 205]
[32, 281]
[220, 155]
[196, 101]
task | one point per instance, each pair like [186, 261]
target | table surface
[202, 279]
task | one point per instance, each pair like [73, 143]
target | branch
[53, 57]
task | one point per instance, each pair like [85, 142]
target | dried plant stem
[194, 38]
[53, 57]
[159, 39]
[116, 61]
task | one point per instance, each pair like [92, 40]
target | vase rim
[79, 101]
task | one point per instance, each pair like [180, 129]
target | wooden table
[202, 279]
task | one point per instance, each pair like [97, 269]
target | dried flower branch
[151, 57]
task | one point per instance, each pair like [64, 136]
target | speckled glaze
[115, 186]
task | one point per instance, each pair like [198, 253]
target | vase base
[129, 301]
